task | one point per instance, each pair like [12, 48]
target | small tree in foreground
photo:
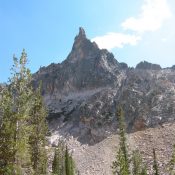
[63, 163]
[14, 129]
[121, 164]
[7, 144]
[22, 126]
[124, 164]
[37, 134]
[56, 164]
[138, 168]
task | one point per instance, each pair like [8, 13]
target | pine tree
[56, 164]
[63, 163]
[137, 165]
[15, 115]
[37, 134]
[121, 164]
[67, 162]
[22, 117]
[7, 144]
[155, 164]
[72, 165]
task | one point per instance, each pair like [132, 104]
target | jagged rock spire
[82, 32]
[81, 35]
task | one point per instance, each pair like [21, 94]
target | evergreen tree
[62, 149]
[7, 144]
[63, 163]
[137, 165]
[15, 115]
[37, 135]
[56, 164]
[121, 164]
[72, 165]
[155, 164]
[67, 162]
[23, 124]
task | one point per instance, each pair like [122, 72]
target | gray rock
[123, 65]
[82, 93]
[147, 65]
[173, 67]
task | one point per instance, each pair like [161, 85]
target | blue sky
[133, 30]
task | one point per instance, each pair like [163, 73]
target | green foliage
[69, 163]
[137, 161]
[137, 165]
[56, 164]
[121, 164]
[15, 115]
[7, 144]
[37, 134]
[124, 164]
[63, 163]
[155, 164]
[23, 117]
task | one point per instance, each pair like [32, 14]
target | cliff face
[83, 91]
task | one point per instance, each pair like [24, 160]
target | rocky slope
[97, 159]
[83, 91]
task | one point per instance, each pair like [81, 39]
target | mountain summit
[86, 67]
[82, 33]
[83, 91]
[82, 48]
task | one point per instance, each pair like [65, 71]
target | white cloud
[113, 40]
[153, 14]
[151, 18]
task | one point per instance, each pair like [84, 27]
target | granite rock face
[83, 91]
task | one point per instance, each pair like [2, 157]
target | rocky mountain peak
[83, 91]
[82, 48]
[88, 52]
[81, 36]
[86, 67]
[82, 33]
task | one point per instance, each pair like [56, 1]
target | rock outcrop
[148, 66]
[173, 67]
[83, 91]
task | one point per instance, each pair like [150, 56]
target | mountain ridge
[83, 91]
